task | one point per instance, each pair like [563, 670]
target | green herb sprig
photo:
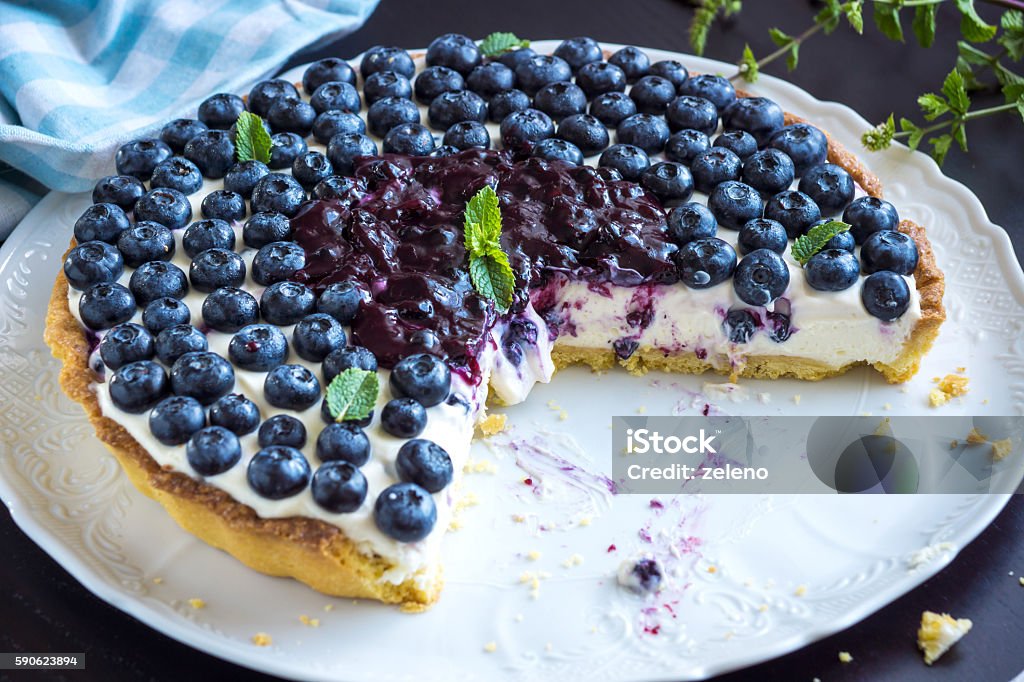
[352, 394]
[497, 44]
[489, 268]
[814, 241]
[252, 141]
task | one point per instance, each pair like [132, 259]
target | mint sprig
[814, 241]
[352, 394]
[499, 43]
[252, 141]
[489, 268]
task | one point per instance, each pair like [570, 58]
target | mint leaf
[1013, 34]
[854, 11]
[748, 65]
[252, 141]
[955, 92]
[352, 394]
[780, 38]
[924, 24]
[879, 137]
[483, 209]
[793, 58]
[489, 268]
[704, 17]
[932, 106]
[829, 16]
[971, 54]
[814, 241]
[887, 19]
[960, 135]
[499, 43]
[492, 278]
[940, 147]
[971, 25]
[916, 133]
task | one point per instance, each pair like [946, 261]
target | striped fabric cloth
[78, 78]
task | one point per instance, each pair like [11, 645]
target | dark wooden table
[43, 609]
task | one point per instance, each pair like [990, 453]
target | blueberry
[539, 70]
[409, 138]
[291, 387]
[92, 263]
[278, 472]
[177, 173]
[173, 342]
[578, 52]
[213, 450]
[165, 312]
[628, 160]
[795, 210]
[178, 132]
[126, 343]
[284, 149]
[829, 185]
[435, 80]
[843, 240]
[740, 325]
[405, 512]
[703, 263]
[467, 134]
[691, 112]
[140, 157]
[554, 149]
[685, 145]
[292, 116]
[102, 222]
[258, 348]
[386, 84]
[265, 94]
[423, 377]
[265, 227]
[277, 261]
[449, 108]
[137, 387]
[504, 103]
[212, 233]
[597, 78]
[174, 420]
[669, 181]
[282, 429]
[212, 152]
[310, 168]
[740, 142]
[689, 222]
[769, 171]
[381, 58]
[633, 62]
[489, 79]
[612, 108]
[203, 375]
[513, 58]
[220, 111]
[714, 166]
[647, 574]
[386, 113]
[559, 100]
[759, 116]
[734, 203]
[584, 131]
[455, 51]
[242, 177]
[279, 193]
[424, 463]
[236, 413]
[761, 277]
[228, 309]
[670, 70]
[120, 190]
[325, 71]
[832, 270]
[652, 95]
[715, 89]
[285, 303]
[403, 418]
[779, 329]
[316, 335]
[215, 268]
[336, 96]
[337, 361]
[343, 441]
[762, 233]
[331, 123]
[518, 334]
[341, 301]
[889, 250]
[157, 279]
[345, 190]
[803, 143]
[522, 128]
[145, 241]
[885, 295]
[339, 487]
[345, 148]
[868, 215]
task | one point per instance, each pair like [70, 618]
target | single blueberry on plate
[646, 131]
[339, 487]
[539, 70]
[278, 472]
[101, 222]
[145, 241]
[213, 450]
[762, 233]
[120, 190]
[292, 116]
[889, 250]
[284, 149]
[157, 279]
[795, 210]
[435, 80]
[803, 143]
[597, 78]
[137, 387]
[331, 123]
[715, 89]
[337, 361]
[578, 51]
[285, 303]
[761, 277]
[310, 168]
[734, 203]
[126, 343]
[236, 413]
[203, 375]
[499, 106]
[211, 233]
[344, 441]
[325, 71]
[424, 463]
[139, 157]
[291, 387]
[885, 295]
[455, 51]
[383, 58]
[669, 181]
[386, 84]
[216, 268]
[264, 228]
[223, 204]
[526, 127]
[277, 261]
[740, 325]
[385, 114]
[341, 301]
[832, 270]
[336, 96]
[670, 70]
[279, 193]
[105, 305]
[703, 263]
[685, 145]
[345, 148]
[177, 173]
[829, 185]
[166, 206]
[633, 62]
[468, 134]
[212, 152]
[403, 418]
[405, 512]
[554, 149]
[740, 142]
[165, 312]
[178, 132]
[689, 222]
[258, 347]
[769, 171]
[449, 108]
[228, 309]
[868, 215]
[611, 108]
[173, 342]
[759, 116]
[221, 110]
[282, 429]
[559, 100]
[265, 94]
[411, 139]
[92, 263]
[316, 335]
[687, 112]
[422, 377]
[714, 166]
[584, 131]
[174, 420]
[652, 94]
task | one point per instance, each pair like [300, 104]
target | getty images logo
[644, 441]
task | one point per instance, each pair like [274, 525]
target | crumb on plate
[940, 632]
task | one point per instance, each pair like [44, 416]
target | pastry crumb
[887, 406]
[845, 657]
[940, 632]
[949, 386]
[797, 398]
[961, 370]
[762, 608]
[328, 607]
[1000, 449]
[555, 407]
[309, 622]
[764, 398]
[1021, 579]
[262, 639]
[712, 569]
[574, 560]
[491, 647]
[533, 555]
[800, 590]
[519, 518]
[479, 466]
[493, 424]
[158, 581]
[455, 524]
[954, 444]
[584, 521]
[975, 437]
[642, 409]
[197, 603]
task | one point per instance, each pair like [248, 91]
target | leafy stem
[748, 71]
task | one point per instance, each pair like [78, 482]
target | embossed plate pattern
[753, 577]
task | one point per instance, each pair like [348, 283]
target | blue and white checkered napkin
[78, 78]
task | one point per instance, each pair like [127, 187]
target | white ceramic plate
[754, 577]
